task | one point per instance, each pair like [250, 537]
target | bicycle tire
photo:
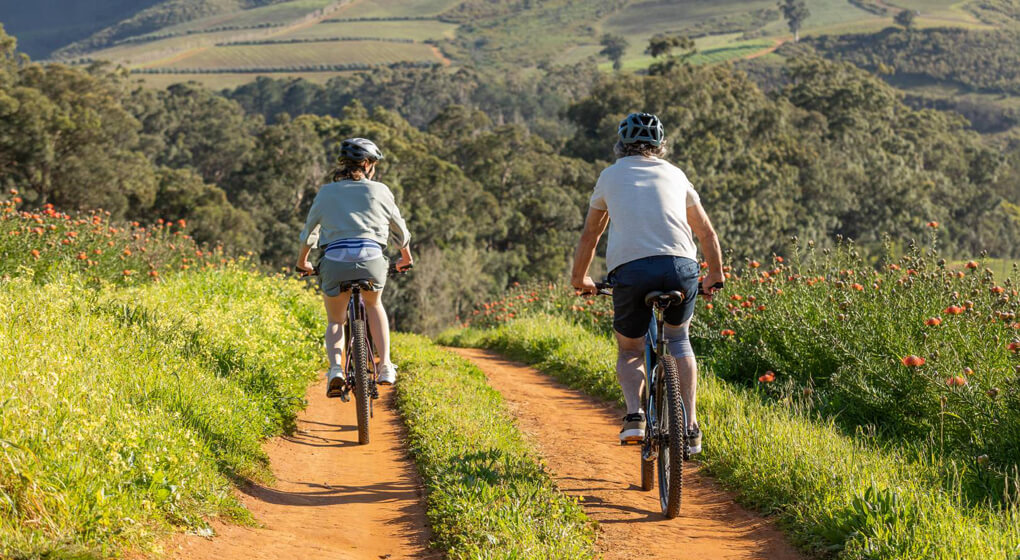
[672, 421]
[362, 394]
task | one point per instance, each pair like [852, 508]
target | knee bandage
[679, 341]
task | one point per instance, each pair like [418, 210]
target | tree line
[493, 173]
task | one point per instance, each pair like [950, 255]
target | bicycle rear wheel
[362, 391]
[672, 434]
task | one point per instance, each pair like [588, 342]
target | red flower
[857, 287]
[755, 264]
[954, 310]
[968, 371]
[912, 361]
[1014, 347]
[933, 322]
[35, 253]
[972, 265]
[956, 381]
[933, 224]
[728, 332]
[998, 290]
[769, 377]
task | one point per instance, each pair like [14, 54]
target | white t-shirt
[647, 200]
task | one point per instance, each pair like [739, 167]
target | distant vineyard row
[286, 69]
[311, 40]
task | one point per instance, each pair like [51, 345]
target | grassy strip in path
[127, 412]
[833, 494]
[488, 493]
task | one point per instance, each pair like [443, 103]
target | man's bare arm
[703, 229]
[594, 226]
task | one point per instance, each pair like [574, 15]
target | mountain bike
[665, 442]
[360, 363]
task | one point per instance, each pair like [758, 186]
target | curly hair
[351, 169]
[645, 149]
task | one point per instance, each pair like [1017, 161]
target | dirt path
[775, 45]
[587, 461]
[334, 499]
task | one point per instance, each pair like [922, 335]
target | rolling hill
[225, 43]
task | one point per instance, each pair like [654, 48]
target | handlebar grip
[702, 291]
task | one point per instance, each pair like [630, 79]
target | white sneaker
[387, 374]
[335, 382]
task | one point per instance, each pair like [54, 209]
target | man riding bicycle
[352, 219]
[653, 213]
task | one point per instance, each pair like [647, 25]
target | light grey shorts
[333, 273]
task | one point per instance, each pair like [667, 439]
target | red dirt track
[586, 460]
[333, 499]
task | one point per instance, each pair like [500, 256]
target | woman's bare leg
[379, 325]
[336, 314]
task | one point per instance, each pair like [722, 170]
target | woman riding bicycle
[653, 213]
[352, 219]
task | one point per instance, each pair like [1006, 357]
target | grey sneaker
[387, 374]
[694, 440]
[633, 430]
[335, 382]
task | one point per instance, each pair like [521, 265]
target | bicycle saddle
[664, 299]
[363, 285]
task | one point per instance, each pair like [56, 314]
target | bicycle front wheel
[672, 434]
[362, 391]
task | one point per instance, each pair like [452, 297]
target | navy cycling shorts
[634, 280]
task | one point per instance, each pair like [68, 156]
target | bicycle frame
[355, 312]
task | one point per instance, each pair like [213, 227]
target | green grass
[127, 413]
[708, 56]
[397, 8]
[418, 30]
[488, 493]
[304, 54]
[834, 494]
[281, 13]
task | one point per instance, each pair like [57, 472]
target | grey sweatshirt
[354, 209]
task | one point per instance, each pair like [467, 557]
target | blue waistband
[353, 243]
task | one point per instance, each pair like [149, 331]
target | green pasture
[397, 8]
[418, 30]
[282, 13]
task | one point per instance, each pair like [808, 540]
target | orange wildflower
[912, 361]
[769, 377]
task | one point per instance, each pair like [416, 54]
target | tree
[613, 46]
[905, 18]
[663, 45]
[795, 12]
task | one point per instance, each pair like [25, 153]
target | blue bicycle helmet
[360, 149]
[641, 127]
